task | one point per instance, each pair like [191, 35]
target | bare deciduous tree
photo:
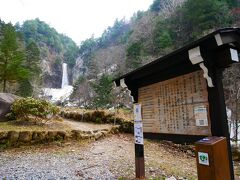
[231, 84]
[83, 94]
[168, 7]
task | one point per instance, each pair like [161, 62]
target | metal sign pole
[139, 148]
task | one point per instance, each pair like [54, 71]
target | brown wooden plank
[168, 106]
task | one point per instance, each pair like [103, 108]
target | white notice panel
[200, 113]
[138, 133]
[138, 126]
[137, 112]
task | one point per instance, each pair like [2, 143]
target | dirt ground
[84, 126]
[108, 158]
[111, 157]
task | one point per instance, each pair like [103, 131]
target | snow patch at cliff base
[55, 95]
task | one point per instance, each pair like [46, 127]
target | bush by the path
[32, 109]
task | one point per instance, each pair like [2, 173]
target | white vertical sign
[200, 113]
[138, 133]
[137, 112]
[138, 126]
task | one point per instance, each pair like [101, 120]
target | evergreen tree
[133, 55]
[11, 58]
[103, 91]
[25, 88]
[200, 16]
[32, 63]
[33, 59]
[161, 37]
[233, 3]
[156, 6]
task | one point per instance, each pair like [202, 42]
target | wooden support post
[139, 161]
[219, 124]
[139, 147]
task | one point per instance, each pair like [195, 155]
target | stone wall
[16, 138]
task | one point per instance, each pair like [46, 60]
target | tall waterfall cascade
[62, 94]
[64, 75]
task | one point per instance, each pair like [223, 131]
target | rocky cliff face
[53, 78]
[78, 70]
[51, 63]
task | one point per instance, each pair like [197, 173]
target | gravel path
[108, 158]
[72, 161]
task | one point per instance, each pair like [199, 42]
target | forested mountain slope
[167, 25]
[54, 49]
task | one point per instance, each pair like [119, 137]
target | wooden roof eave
[210, 43]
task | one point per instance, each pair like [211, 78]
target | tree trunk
[236, 122]
[4, 85]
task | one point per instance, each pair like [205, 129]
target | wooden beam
[218, 113]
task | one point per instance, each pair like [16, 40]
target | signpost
[138, 135]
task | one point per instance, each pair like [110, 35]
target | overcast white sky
[78, 19]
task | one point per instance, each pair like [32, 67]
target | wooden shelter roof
[212, 47]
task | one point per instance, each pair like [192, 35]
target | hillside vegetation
[128, 44]
[167, 25]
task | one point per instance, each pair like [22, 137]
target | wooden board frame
[168, 106]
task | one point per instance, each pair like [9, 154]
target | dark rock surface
[53, 80]
[6, 100]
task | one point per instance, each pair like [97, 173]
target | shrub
[29, 108]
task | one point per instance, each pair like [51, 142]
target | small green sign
[203, 158]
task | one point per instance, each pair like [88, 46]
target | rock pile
[6, 100]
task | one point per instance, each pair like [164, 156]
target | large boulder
[6, 100]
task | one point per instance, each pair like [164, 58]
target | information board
[176, 106]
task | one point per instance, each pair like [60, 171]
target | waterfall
[56, 95]
[64, 75]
